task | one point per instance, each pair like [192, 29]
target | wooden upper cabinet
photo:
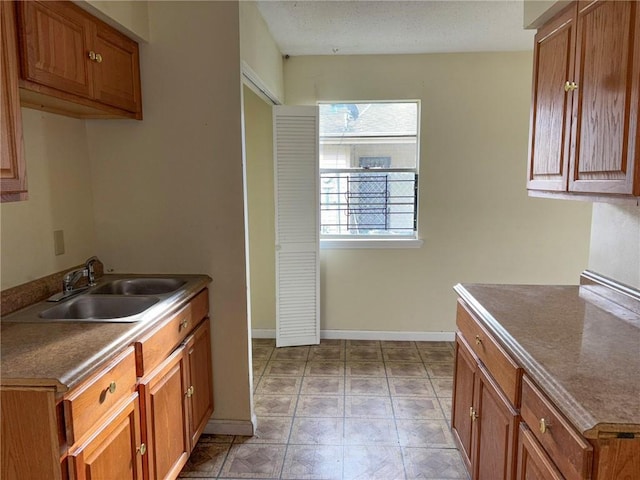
[74, 64]
[604, 153]
[584, 124]
[13, 172]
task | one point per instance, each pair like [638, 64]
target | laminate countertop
[60, 354]
[579, 346]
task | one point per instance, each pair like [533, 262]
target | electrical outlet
[58, 242]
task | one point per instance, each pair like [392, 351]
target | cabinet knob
[544, 426]
[472, 414]
[570, 86]
[92, 56]
[184, 323]
[189, 392]
[142, 449]
[98, 58]
[478, 340]
[112, 387]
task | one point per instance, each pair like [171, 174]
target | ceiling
[362, 27]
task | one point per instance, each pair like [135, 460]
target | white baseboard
[368, 335]
[230, 427]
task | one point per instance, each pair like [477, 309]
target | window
[368, 170]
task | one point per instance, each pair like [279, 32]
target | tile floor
[345, 409]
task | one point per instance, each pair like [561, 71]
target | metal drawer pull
[189, 392]
[184, 323]
[570, 86]
[112, 387]
[478, 340]
[544, 426]
[472, 414]
[142, 449]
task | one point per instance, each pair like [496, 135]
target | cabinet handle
[92, 56]
[544, 426]
[189, 392]
[142, 449]
[472, 414]
[570, 86]
[98, 58]
[184, 323]
[112, 387]
[478, 340]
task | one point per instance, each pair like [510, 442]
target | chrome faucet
[73, 276]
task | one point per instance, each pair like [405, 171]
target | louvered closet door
[295, 144]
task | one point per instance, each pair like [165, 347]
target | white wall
[169, 189]
[477, 222]
[60, 198]
[130, 17]
[259, 51]
[615, 242]
[260, 204]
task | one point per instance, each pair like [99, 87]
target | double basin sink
[120, 300]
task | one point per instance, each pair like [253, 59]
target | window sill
[335, 243]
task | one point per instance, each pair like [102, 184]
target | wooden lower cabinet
[533, 462]
[484, 423]
[165, 417]
[177, 403]
[114, 449]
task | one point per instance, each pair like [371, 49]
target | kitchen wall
[260, 202]
[477, 222]
[60, 198]
[130, 17]
[169, 190]
[615, 242]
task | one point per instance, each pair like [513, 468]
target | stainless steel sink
[99, 308]
[140, 286]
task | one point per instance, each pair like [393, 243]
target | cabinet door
[117, 75]
[605, 130]
[533, 462]
[461, 419]
[114, 449]
[55, 43]
[13, 165]
[164, 412]
[494, 436]
[550, 127]
[200, 397]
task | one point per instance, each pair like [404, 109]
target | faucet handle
[90, 271]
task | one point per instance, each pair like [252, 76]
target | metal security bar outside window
[368, 170]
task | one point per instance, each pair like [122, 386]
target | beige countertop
[580, 347]
[61, 354]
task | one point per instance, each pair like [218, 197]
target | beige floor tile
[327, 354]
[425, 433]
[364, 354]
[372, 386]
[258, 367]
[446, 404]
[437, 355]
[254, 461]
[313, 462]
[363, 343]
[368, 407]
[405, 369]
[435, 345]
[443, 386]
[373, 463]
[208, 438]
[324, 369]
[281, 367]
[365, 369]
[279, 385]
[427, 464]
[440, 370]
[397, 344]
[205, 460]
[261, 353]
[322, 386]
[290, 353]
[366, 431]
[411, 387]
[274, 405]
[320, 406]
[317, 431]
[331, 342]
[417, 408]
[401, 355]
[268, 430]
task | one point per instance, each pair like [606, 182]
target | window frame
[376, 241]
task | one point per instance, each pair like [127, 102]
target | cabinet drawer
[567, 449]
[85, 405]
[503, 369]
[158, 344]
